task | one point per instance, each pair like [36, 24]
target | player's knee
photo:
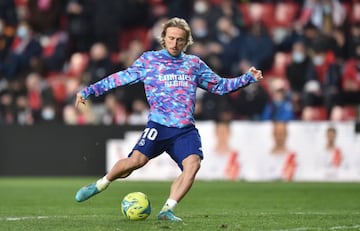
[138, 159]
[192, 164]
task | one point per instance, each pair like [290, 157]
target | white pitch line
[39, 217]
[341, 227]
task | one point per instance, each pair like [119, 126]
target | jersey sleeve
[131, 75]
[210, 81]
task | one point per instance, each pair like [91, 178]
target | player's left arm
[213, 83]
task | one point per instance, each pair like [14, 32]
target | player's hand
[79, 100]
[256, 73]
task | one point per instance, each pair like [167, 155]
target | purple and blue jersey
[170, 85]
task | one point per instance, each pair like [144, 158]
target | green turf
[48, 204]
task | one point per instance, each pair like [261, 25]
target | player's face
[175, 40]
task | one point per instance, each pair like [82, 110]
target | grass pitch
[48, 204]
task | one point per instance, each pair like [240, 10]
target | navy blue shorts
[179, 143]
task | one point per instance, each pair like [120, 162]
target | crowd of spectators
[308, 50]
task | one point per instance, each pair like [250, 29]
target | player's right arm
[131, 75]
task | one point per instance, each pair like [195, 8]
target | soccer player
[170, 79]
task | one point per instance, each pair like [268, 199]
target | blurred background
[309, 52]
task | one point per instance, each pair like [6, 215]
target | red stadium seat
[58, 88]
[314, 113]
[136, 33]
[253, 12]
[285, 13]
[350, 113]
[278, 70]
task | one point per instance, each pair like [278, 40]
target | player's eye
[181, 40]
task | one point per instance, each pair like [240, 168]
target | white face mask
[327, 9]
[200, 7]
[22, 32]
[318, 60]
[200, 33]
[48, 113]
[298, 57]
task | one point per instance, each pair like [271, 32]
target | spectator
[128, 56]
[70, 115]
[354, 38]
[205, 9]
[230, 10]
[339, 43]
[132, 13]
[215, 107]
[103, 16]
[180, 9]
[115, 111]
[40, 96]
[205, 44]
[8, 12]
[258, 47]
[44, 16]
[248, 103]
[232, 41]
[54, 51]
[99, 65]
[279, 108]
[7, 110]
[77, 66]
[24, 52]
[154, 31]
[7, 33]
[324, 14]
[99, 62]
[323, 86]
[73, 116]
[79, 14]
[351, 80]
[296, 73]
[24, 114]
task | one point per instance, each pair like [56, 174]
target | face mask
[48, 114]
[318, 60]
[1, 28]
[327, 9]
[200, 33]
[298, 57]
[200, 7]
[22, 32]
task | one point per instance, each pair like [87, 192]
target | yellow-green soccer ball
[136, 206]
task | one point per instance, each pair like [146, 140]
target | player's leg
[121, 169]
[180, 187]
[124, 167]
[183, 183]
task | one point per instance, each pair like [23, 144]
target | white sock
[169, 204]
[102, 183]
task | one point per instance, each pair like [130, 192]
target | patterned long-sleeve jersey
[170, 84]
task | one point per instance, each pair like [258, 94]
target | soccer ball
[136, 206]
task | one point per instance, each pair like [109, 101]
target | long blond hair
[181, 24]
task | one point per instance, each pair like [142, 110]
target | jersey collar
[166, 53]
